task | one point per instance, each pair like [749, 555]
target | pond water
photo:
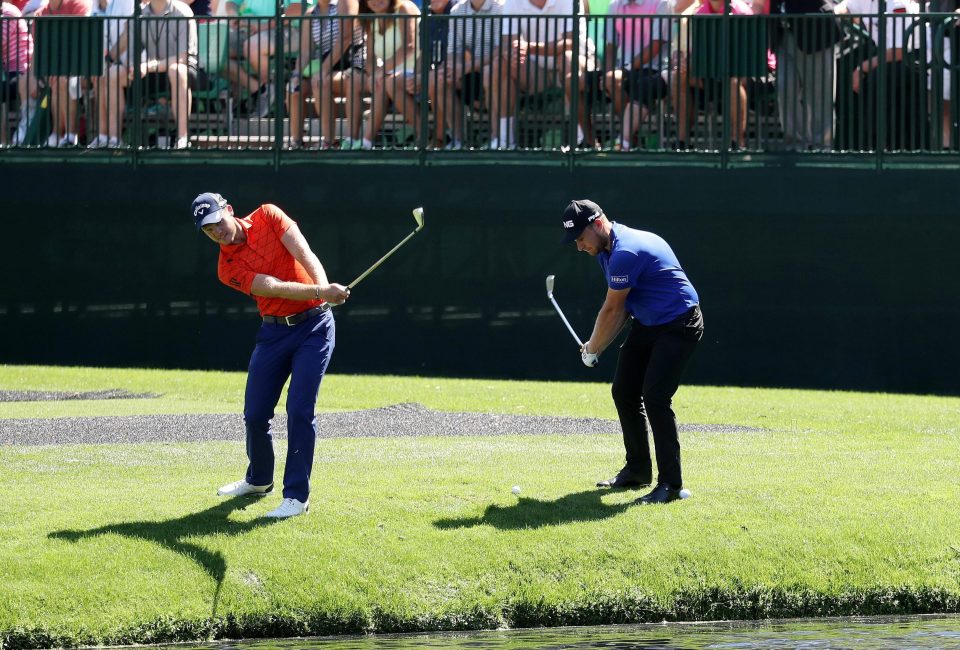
[874, 633]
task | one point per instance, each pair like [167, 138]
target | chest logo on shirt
[620, 279]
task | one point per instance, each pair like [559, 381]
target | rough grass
[844, 505]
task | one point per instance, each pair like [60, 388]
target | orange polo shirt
[264, 253]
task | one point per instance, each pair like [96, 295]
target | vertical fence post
[936, 142]
[725, 44]
[426, 55]
[278, 87]
[923, 106]
[134, 60]
[575, 87]
[880, 117]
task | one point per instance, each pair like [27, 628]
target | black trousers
[649, 367]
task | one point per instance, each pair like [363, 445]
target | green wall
[808, 277]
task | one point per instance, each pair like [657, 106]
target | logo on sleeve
[619, 279]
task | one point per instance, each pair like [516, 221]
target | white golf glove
[589, 359]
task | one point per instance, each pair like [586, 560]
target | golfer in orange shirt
[265, 256]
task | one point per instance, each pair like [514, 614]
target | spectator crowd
[622, 75]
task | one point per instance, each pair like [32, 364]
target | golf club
[418, 215]
[559, 311]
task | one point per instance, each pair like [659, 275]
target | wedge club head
[418, 215]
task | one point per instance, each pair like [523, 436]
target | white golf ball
[684, 493]
[515, 489]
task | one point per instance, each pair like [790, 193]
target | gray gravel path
[56, 396]
[397, 420]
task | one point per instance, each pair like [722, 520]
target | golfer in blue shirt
[645, 285]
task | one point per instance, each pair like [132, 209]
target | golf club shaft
[565, 321]
[381, 260]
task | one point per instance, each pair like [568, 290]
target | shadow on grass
[534, 513]
[172, 533]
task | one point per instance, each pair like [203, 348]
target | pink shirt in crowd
[17, 42]
[737, 8]
[635, 27]
[69, 8]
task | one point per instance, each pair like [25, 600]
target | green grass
[844, 504]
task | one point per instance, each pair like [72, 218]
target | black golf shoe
[625, 479]
[663, 493]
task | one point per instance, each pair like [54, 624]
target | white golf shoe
[289, 508]
[242, 488]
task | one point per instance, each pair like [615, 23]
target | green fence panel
[68, 47]
[744, 47]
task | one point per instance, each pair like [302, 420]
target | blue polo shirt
[645, 264]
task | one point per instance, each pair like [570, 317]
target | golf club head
[418, 215]
[549, 285]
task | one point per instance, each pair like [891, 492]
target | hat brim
[213, 217]
[569, 235]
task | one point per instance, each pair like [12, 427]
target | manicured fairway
[845, 503]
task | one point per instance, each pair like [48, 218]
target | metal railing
[612, 86]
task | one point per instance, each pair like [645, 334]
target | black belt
[296, 319]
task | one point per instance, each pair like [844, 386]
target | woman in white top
[392, 63]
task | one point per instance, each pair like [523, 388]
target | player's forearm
[268, 286]
[609, 323]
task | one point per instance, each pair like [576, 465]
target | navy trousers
[301, 353]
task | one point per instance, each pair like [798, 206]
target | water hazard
[922, 632]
